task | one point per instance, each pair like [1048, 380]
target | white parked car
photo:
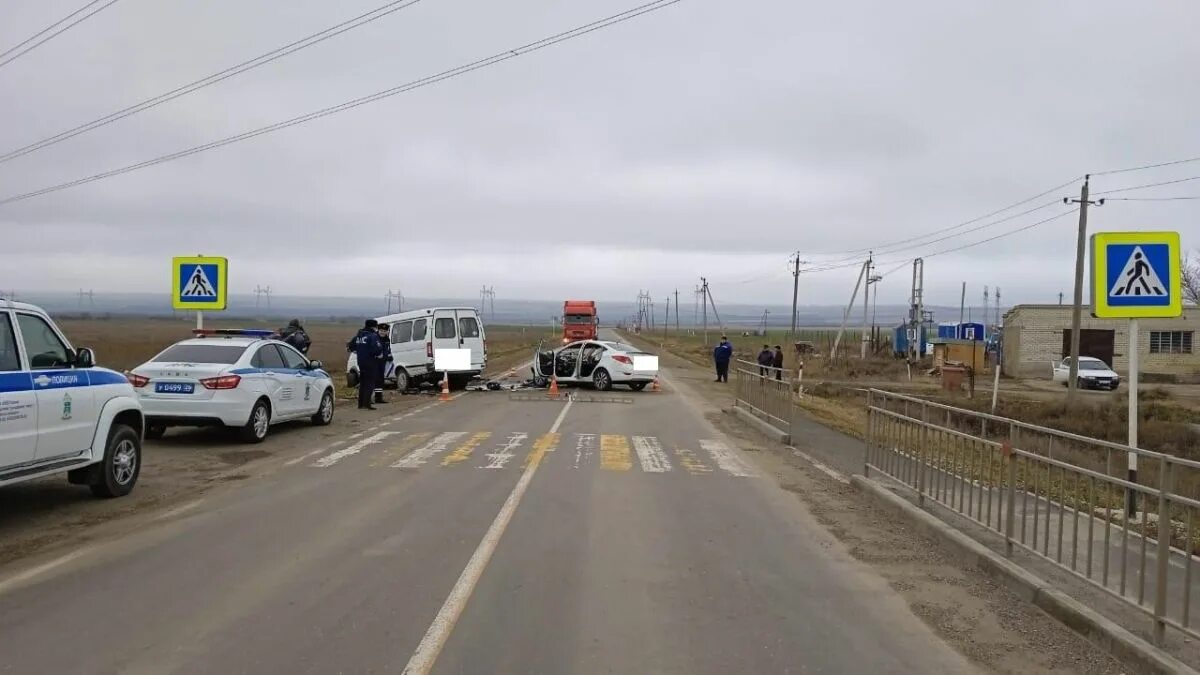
[1093, 373]
[233, 378]
[416, 334]
[60, 412]
[596, 362]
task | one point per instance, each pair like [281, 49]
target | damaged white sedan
[596, 362]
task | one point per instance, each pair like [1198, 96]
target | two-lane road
[482, 535]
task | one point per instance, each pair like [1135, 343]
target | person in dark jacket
[721, 357]
[295, 335]
[778, 362]
[385, 337]
[369, 350]
[765, 358]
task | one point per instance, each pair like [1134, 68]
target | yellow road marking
[408, 444]
[545, 443]
[463, 452]
[691, 463]
[614, 453]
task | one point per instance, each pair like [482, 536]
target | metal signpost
[1136, 275]
[199, 283]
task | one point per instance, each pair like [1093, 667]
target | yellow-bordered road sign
[1136, 275]
[199, 282]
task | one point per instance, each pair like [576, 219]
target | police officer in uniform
[384, 359]
[369, 351]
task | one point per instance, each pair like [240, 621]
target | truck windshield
[578, 319]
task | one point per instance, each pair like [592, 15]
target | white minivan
[414, 336]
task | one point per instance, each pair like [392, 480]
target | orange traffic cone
[445, 395]
[553, 392]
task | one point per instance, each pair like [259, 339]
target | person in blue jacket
[369, 350]
[721, 356]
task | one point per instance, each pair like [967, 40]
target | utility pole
[862, 274]
[1060, 297]
[872, 281]
[916, 312]
[1077, 309]
[984, 316]
[962, 304]
[487, 296]
[676, 311]
[704, 307]
[866, 331]
[997, 308]
[713, 304]
[795, 260]
[667, 318]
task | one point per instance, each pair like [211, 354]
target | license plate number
[174, 388]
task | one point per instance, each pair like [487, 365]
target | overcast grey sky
[712, 137]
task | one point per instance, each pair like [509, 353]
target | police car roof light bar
[233, 332]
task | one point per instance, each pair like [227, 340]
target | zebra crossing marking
[650, 454]
[614, 453]
[500, 456]
[463, 452]
[426, 452]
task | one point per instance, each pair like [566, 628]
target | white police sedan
[233, 378]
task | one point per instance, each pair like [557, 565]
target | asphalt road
[482, 535]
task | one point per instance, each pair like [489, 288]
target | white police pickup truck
[59, 412]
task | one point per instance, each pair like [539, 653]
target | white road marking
[727, 459]
[18, 579]
[585, 447]
[502, 454]
[831, 472]
[335, 457]
[650, 453]
[183, 508]
[301, 458]
[426, 452]
[443, 624]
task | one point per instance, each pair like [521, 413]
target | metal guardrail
[1059, 495]
[765, 391]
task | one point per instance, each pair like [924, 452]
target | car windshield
[193, 353]
[1092, 365]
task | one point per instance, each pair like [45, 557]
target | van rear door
[471, 336]
[445, 329]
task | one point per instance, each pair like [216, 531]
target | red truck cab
[579, 320]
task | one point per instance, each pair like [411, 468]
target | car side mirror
[315, 365]
[85, 358]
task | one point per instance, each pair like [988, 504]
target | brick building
[1035, 335]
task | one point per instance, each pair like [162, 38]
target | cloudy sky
[709, 138]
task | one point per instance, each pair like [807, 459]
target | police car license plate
[174, 388]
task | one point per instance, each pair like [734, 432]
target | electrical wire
[1147, 166]
[1003, 234]
[5, 57]
[1147, 185]
[1149, 199]
[578, 31]
[207, 81]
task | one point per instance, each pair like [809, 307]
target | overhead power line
[1147, 185]
[349, 105]
[37, 40]
[1150, 199]
[260, 60]
[1147, 166]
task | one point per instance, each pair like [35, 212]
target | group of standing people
[767, 360]
[372, 347]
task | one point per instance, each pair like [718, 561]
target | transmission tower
[260, 293]
[487, 297]
[394, 295]
[90, 295]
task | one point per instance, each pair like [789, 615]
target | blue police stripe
[288, 371]
[100, 377]
[10, 382]
[39, 380]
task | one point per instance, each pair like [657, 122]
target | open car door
[1062, 370]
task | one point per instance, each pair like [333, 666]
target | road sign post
[1136, 275]
[199, 283]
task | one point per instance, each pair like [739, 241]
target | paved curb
[1113, 638]
[762, 427]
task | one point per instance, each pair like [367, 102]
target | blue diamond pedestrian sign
[199, 282]
[1136, 275]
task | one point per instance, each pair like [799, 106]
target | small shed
[968, 352]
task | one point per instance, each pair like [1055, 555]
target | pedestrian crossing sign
[1136, 275]
[199, 282]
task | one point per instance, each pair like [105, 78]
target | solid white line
[28, 574]
[179, 509]
[424, 453]
[727, 459]
[650, 454]
[333, 458]
[439, 631]
[831, 472]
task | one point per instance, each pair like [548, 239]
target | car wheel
[155, 432]
[1080, 384]
[401, 380]
[118, 471]
[324, 413]
[258, 425]
[637, 386]
[352, 378]
[602, 380]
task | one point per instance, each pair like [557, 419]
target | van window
[468, 327]
[402, 332]
[443, 328]
[419, 330]
[9, 359]
[43, 345]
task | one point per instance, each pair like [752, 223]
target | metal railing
[1059, 495]
[765, 391]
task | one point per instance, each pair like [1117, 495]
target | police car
[233, 378]
[59, 412]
